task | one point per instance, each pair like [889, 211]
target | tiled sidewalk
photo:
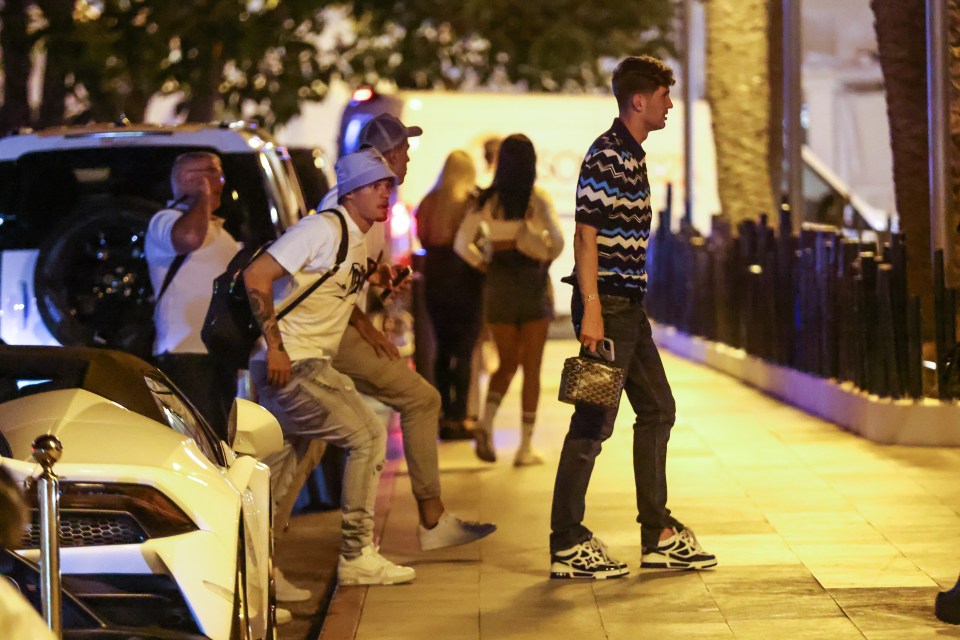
[819, 534]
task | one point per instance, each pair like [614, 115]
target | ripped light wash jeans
[320, 402]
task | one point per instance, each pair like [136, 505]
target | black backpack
[230, 330]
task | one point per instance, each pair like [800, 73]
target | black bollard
[947, 607]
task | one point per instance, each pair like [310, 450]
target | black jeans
[207, 384]
[625, 322]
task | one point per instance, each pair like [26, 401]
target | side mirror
[256, 431]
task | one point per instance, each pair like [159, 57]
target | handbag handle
[605, 350]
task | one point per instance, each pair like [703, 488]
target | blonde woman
[521, 236]
[453, 289]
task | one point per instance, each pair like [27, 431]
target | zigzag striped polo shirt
[613, 195]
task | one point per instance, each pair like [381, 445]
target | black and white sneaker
[588, 560]
[679, 551]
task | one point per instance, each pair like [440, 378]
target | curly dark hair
[640, 74]
[514, 177]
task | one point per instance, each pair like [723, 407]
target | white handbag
[534, 239]
[472, 242]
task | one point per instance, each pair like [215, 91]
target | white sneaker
[588, 560]
[283, 616]
[372, 568]
[527, 458]
[286, 590]
[451, 531]
[483, 445]
[679, 551]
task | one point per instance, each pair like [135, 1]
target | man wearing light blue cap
[374, 364]
[293, 367]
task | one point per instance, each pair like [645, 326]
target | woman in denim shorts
[524, 237]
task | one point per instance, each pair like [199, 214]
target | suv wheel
[91, 280]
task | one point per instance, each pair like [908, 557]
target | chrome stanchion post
[46, 451]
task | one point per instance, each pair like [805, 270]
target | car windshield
[43, 190]
[181, 418]
[308, 164]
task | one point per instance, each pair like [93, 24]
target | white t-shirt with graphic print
[306, 251]
[376, 237]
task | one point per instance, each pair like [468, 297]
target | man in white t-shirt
[374, 364]
[293, 367]
[190, 227]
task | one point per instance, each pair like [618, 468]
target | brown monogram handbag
[592, 379]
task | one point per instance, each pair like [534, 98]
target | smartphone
[606, 348]
[402, 275]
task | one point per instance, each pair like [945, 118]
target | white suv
[74, 208]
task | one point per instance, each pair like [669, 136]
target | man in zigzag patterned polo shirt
[610, 246]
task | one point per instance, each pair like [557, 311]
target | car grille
[89, 530]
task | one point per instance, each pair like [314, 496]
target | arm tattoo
[261, 303]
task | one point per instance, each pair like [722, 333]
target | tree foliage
[223, 55]
[549, 45]
[103, 58]
[262, 58]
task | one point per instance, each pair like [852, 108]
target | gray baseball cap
[386, 132]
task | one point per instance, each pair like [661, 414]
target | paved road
[819, 534]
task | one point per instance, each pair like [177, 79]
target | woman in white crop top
[523, 237]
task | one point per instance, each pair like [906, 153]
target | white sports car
[162, 526]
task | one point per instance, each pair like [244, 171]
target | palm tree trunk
[775, 71]
[738, 87]
[901, 37]
[953, 86]
[205, 92]
[60, 52]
